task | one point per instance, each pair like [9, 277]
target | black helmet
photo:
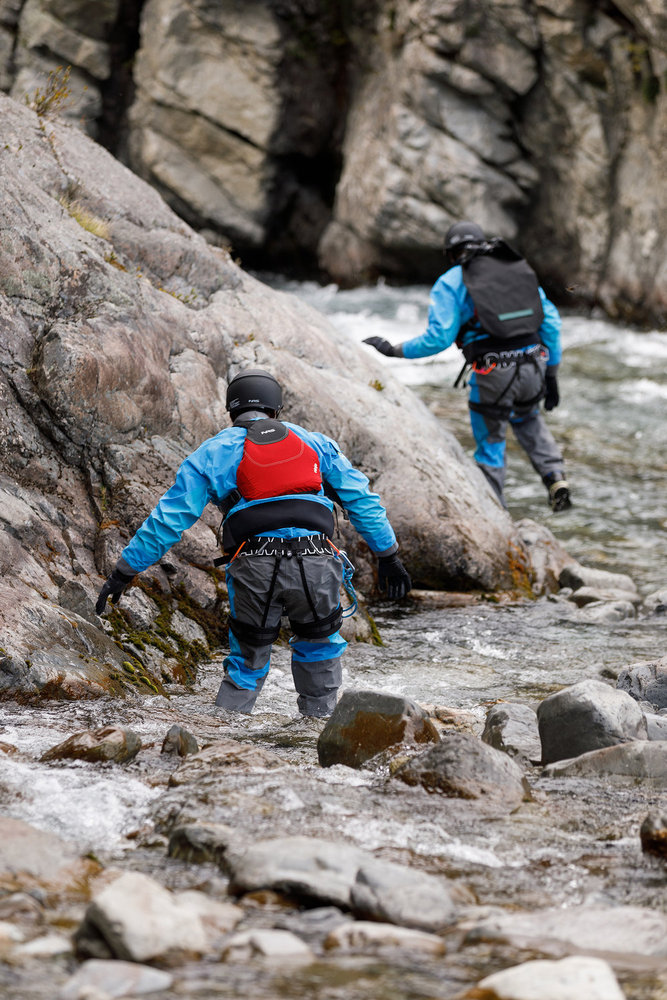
[462, 236]
[254, 389]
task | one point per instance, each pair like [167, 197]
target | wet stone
[223, 756]
[198, 843]
[656, 603]
[656, 726]
[367, 936]
[114, 979]
[365, 723]
[141, 921]
[179, 741]
[575, 575]
[646, 681]
[513, 729]
[653, 834]
[575, 977]
[619, 930]
[392, 893]
[608, 612]
[587, 716]
[461, 766]
[640, 759]
[593, 595]
[302, 867]
[277, 945]
[110, 743]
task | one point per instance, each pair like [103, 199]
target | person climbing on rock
[275, 483]
[490, 304]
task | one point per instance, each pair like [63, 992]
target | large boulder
[119, 331]
[587, 716]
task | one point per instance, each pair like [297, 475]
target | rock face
[119, 331]
[354, 134]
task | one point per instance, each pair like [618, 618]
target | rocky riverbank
[444, 858]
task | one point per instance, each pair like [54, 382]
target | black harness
[279, 549]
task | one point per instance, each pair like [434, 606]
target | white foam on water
[91, 806]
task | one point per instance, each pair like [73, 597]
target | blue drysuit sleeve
[449, 308]
[550, 331]
[364, 507]
[208, 474]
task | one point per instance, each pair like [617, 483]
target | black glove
[393, 576]
[113, 588]
[552, 399]
[384, 347]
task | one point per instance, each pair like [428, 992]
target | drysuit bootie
[559, 494]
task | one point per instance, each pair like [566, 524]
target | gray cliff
[344, 138]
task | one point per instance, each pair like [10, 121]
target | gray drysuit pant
[263, 587]
[511, 394]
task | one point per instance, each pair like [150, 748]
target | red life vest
[276, 462]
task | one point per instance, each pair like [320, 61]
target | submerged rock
[277, 945]
[656, 603]
[461, 766]
[364, 723]
[33, 860]
[656, 726]
[223, 755]
[587, 716]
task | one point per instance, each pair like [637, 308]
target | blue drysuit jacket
[451, 306]
[208, 475]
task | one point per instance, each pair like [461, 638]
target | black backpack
[505, 291]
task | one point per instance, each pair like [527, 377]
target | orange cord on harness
[484, 371]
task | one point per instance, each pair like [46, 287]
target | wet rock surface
[461, 766]
[364, 723]
[280, 875]
[587, 716]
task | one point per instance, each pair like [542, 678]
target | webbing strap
[321, 628]
[253, 634]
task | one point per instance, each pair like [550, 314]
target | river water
[610, 423]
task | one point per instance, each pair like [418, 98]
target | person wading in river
[275, 483]
[490, 304]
